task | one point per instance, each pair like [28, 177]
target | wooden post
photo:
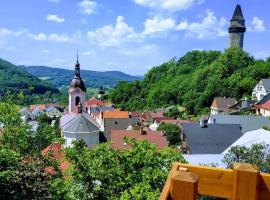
[245, 181]
[184, 186]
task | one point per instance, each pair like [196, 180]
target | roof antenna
[77, 55]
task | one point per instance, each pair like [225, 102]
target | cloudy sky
[126, 35]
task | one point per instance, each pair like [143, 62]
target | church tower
[237, 28]
[77, 90]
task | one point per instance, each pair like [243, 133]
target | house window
[259, 88]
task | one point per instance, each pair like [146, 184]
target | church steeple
[237, 28]
[77, 66]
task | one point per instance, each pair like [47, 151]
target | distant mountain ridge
[62, 77]
[16, 80]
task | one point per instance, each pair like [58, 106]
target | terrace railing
[243, 182]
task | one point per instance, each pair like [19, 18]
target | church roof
[237, 15]
[77, 82]
[82, 123]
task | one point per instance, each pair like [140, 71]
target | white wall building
[261, 89]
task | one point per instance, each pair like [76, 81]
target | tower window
[77, 101]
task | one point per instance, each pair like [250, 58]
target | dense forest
[193, 81]
[92, 79]
[16, 80]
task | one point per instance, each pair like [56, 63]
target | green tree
[25, 177]
[107, 173]
[172, 132]
[257, 154]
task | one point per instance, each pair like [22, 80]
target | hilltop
[62, 77]
[16, 80]
[193, 81]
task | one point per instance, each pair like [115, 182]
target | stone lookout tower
[237, 28]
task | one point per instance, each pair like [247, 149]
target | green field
[44, 78]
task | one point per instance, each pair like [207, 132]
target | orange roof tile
[116, 114]
[93, 101]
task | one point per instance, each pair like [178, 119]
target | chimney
[203, 122]
[142, 131]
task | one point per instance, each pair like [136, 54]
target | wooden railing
[186, 182]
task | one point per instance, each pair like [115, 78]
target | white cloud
[39, 36]
[143, 50]
[257, 25]
[58, 37]
[87, 7]
[210, 27]
[50, 37]
[113, 35]
[155, 25]
[8, 32]
[169, 5]
[55, 18]
[88, 53]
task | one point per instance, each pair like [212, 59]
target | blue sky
[126, 35]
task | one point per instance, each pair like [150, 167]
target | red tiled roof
[152, 114]
[159, 119]
[154, 137]
[135, 114]
[54, 151]
[93, 101]
[40, 106]
[265, 106]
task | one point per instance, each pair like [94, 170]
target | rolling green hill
[193, 81]
[16, 80]
[93, 79]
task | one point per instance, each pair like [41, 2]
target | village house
[153, 137]
[261, 89]
[26, 114]
[263, 109]
[204, 138]
[222, 105]
[53, 112]
[119, 120]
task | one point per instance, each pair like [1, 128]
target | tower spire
[237, 28]
[77, 66]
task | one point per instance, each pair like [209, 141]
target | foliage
[25, 177]
[257, 154]
[172, 132]
[18, 136]
[92, 79]
[193, 81]
[107, 173]
[173, 112]
[19, 81]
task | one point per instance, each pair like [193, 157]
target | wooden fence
[186, 182]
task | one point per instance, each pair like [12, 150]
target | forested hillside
[93, 79]
[16, 80]
[193, 81]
